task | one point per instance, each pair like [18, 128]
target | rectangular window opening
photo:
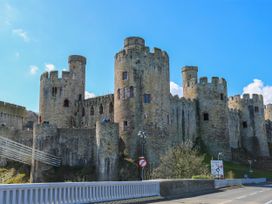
[245, 124]
[147, 98]
[206, 116]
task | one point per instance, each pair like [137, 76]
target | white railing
[78, 192]
[234, 182]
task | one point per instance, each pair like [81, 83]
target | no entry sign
[142, 162]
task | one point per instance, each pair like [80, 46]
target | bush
[202, 177]
[183, 161]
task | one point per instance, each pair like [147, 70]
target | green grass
[14, 173]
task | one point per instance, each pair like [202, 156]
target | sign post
[142, 163]
[217, 169]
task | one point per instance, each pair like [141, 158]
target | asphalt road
[261, 194]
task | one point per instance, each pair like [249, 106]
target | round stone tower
[141, 95]
[189, 79]
[61, 99]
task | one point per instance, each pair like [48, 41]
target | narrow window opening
[125, 125]
[244, 124]
[66, 103]
[54, 91]
[256, 109]
[222, 96]
[125, 76]
[83, 111]
[131, 91]
[118, 94]
[79, 97]
[101, 109]
[111, 108]
[92, 111]
[206, 116]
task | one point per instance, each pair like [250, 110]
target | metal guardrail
[235, 182]
[18, 152]
[78, 192]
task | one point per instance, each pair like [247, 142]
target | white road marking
[227, 201]
[241, 197]
[269, 202]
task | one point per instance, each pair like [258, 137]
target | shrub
[183, 161]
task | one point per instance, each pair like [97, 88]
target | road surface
[261, 194]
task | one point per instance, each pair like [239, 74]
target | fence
[79, 192]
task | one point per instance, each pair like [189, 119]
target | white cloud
[89, 95]
[22, 34]
[50, 67]
[175, 89]
[258, 87]
[33, 69]
[7, 15]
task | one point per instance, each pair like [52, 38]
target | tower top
[133, 42]
[80, 58]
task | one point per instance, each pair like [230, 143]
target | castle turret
[252, 123]
[213, 115]
[61, 99]
[189, 79]
[141, 90]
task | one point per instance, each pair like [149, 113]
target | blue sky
[226, 38]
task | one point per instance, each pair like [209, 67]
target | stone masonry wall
[98, 109]
[183, 120]
[75, 147]
[107, 142]
[12, 115]
[253, 131]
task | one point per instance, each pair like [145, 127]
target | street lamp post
[142, 136]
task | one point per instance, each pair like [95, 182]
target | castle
[96, 131]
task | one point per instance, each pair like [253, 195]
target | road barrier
[235, 182]
[76, 192]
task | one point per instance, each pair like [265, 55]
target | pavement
[258, 194]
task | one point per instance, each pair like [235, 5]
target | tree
[183, 161]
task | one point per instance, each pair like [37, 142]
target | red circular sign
[142, 162]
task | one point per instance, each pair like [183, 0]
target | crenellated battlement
[99, 100]
[214, 81]
[247, 98]
[54, 75]
[135, 47]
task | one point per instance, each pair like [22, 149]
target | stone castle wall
[107, 143]
[98, 109]
[183, 120]
[12, 115]
[253, 131]
[234, 129]
[75, 147]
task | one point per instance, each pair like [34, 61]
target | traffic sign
[142, 162]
